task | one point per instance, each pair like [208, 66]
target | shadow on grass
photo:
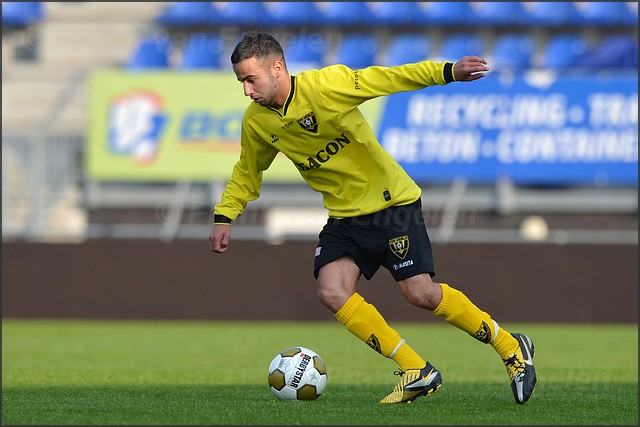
[462, 404]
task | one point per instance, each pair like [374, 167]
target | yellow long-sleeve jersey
[322, 131]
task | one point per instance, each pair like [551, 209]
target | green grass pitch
[215, 373]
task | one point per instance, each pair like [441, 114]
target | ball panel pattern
[290, 352]
[297, 373]
[319, 365]
[307, 392]
[276, 379]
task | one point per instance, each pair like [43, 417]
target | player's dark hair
[259, 45]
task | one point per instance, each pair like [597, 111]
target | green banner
[159, 126]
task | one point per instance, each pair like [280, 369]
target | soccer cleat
[520, 369]
[415, 383]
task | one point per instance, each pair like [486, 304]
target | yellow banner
[167, 126]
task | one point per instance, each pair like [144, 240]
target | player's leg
[341, 258]
[336, 290]
[408, 256]
[516, 350]
[337, 282]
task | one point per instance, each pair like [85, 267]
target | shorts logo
[309, 122]
[400, 246]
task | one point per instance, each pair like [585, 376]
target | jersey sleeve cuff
[221, 219]
[448, 72]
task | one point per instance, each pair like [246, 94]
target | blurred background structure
[120, 122]
[52, 50]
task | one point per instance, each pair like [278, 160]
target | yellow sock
[460, 312]
[365, 322]
[504, 343]
[407, 358]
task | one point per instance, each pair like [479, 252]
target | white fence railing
[41, 187]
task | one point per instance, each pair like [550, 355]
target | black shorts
[395, 238]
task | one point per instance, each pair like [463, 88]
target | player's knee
[423, 296]
[331, 297]
[417, 299]
[323, 295]
[328, 297]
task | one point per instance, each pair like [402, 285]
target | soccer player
[374, 208]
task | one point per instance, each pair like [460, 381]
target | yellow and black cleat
[520, 369]
[415, 383]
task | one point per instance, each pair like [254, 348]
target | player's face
[258, 81]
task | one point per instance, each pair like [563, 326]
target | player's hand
[470, 68]
[219, 238]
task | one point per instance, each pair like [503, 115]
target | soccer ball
[297, 373]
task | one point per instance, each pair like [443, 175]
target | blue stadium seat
[599, 13]
[286, 13]
[187, 13]
[390, 13]
[562, 51]
[357, 50]
[458, 45]
[494, 13]
[202, 51]
[21, 14]
[408, 48]
[618, 51]
[305, 51]
[229, 13]
[338, 13]
[441, 13]
[512, 51]
[542, 13]
[152, 52]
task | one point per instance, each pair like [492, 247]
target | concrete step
[26, 105]
[102, 11]
[89, 45]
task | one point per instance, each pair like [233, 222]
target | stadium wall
[144, 279]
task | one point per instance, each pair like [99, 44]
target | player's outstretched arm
[470, 68]
[219, 238]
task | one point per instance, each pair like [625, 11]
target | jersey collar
[285, 107]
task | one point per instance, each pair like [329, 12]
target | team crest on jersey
[309, 122]
[400, 246]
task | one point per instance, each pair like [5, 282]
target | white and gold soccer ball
[297, 373]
